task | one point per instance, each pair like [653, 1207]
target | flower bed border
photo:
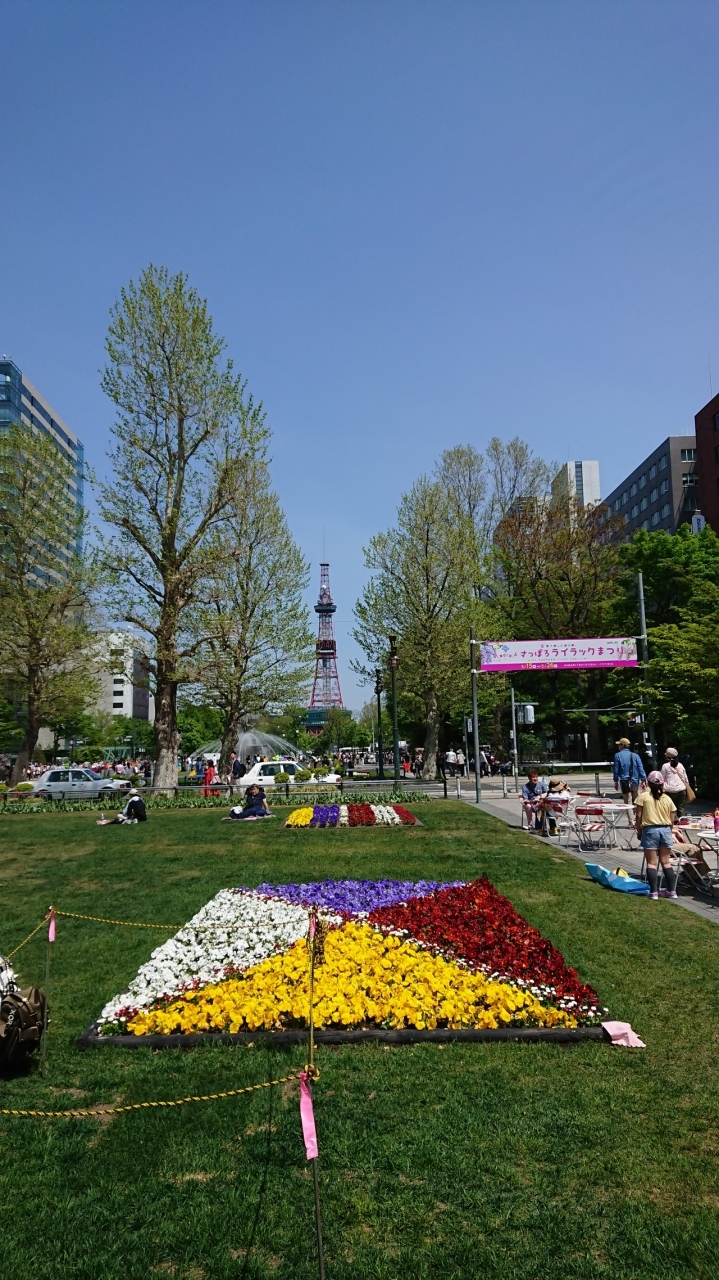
[375, 826]
[90, 1039]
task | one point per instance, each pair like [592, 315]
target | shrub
[281, 778]
[303, 775]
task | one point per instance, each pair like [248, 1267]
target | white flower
[237, 928]
[344, 818]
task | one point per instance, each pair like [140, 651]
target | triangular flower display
[397, 954]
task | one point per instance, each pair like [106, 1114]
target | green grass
[498, 1160]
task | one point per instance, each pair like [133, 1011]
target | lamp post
[380, 744]
[394, 663]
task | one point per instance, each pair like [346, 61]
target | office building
[124, 688]
[578, 480]
[20, 401]
[706, 423]
[663, 491]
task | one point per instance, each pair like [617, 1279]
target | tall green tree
[556, 570]
[46, 638]
[185, 430]
[258, 648]
[419, 586]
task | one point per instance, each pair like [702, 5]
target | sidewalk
[509, 810]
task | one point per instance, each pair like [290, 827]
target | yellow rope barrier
[129, 924]
[82, 1112]
[29, 936]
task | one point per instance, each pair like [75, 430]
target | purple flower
[353, 897]
[334, 815]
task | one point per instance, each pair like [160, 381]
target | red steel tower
[326, 691]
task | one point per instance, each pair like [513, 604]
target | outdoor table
[612, 816]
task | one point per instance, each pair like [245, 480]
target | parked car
[265, 771]
[81, 784]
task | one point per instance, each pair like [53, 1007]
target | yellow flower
[367, 977]
[300, 817]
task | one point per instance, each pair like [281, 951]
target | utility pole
[394, 663]
[380, 743]
[645, 656]
[514, 742]
[475, 726]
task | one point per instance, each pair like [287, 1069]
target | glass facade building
[21, 402]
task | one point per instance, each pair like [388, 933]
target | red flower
[476, 924]
[404, 814]
[360, 815]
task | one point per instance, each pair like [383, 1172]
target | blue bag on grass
[610, 880]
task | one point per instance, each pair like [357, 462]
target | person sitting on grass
[255, 806]
[655, 817]
[532, 793]
[134, 810]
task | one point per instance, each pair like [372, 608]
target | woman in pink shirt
[675, 779]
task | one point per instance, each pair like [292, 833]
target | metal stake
[43, 1059]
[311, 1072]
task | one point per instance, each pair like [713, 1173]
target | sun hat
[656, 777]
[622, 742]
[133, 791]
[671, 751]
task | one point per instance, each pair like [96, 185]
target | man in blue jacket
[628, 771]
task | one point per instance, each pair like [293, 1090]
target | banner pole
[475, 726]
[514, 742]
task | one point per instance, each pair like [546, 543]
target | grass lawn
[491, 1160]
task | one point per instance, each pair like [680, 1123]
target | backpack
[22, 1014]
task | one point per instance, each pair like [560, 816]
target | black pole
[394, 663]
[475, 725]
[380, 742]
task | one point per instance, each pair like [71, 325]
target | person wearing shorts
[655, 816]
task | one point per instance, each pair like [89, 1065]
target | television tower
[326, 691]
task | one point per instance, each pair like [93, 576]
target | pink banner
[51, 930]
[557, 655]
[307, 1116]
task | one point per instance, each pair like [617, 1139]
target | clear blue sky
[417, 224]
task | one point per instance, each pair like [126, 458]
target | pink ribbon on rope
[307, 1116]
[51, 930]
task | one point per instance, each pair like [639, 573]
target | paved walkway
[508, 810]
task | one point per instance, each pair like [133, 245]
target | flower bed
[351, 815]
[397, 955]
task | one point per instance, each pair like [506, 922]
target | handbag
[691, 794]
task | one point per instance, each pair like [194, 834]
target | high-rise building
[20, 401]
[663, 491]
[124, 688]
[706, 423]
[578, 480]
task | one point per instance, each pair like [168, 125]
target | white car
[263, 773]
[80, 784]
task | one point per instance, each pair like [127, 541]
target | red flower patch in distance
[475, 923]
[404, 814]
[360, 815]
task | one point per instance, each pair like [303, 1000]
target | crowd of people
[658, 798]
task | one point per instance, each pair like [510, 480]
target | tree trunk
[29, 742]
[167, 738]
[429, 768]
[230, 734]
[24, 756]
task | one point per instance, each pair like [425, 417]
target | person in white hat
[675, 779]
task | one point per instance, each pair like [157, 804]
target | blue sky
[417, 224]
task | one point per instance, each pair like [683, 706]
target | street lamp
[380, 744]
[394, 663]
